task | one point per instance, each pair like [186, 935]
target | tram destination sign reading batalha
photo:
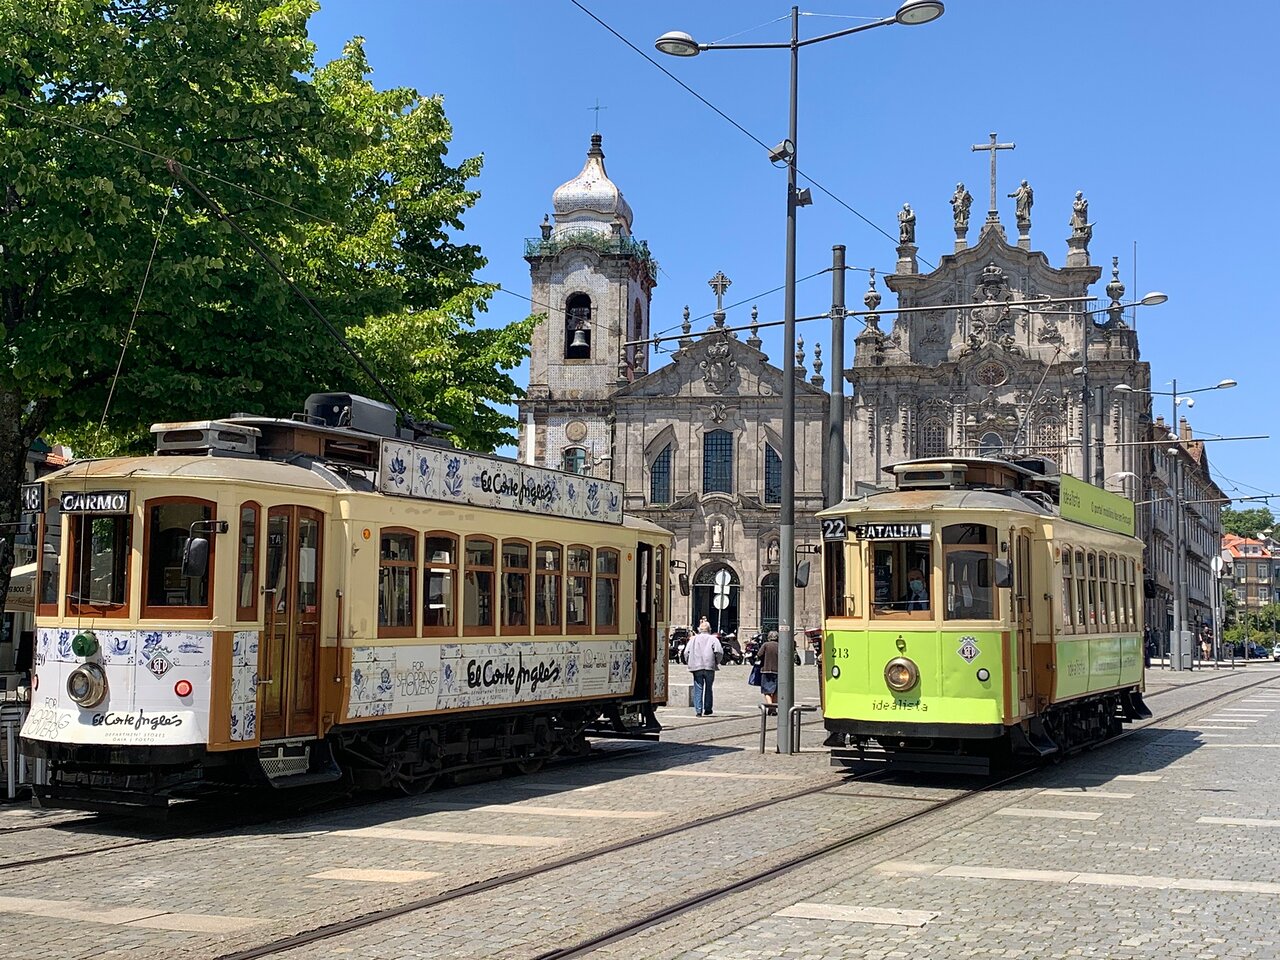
[893, 531]
[455, 476]
[1094, 507]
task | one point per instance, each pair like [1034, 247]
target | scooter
[732, 650]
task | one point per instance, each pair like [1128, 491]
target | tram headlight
[87, 685]
[901, 674]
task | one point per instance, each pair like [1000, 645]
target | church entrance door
[716, 595]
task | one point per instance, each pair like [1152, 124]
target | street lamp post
[679, 44]
[1089, 471]
[1183, 638]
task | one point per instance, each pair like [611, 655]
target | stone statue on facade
[1023, 197]
[961, 200]
[717, 536]
[906, 225]
[773, 551]
[1080, 225]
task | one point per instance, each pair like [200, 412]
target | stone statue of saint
[773, 551]
[1024, 196]
[906, 224]
[1079, 213]
[961, 200]
[717, 536]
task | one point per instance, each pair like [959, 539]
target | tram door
[646, 620]
[291, 648]
[1022, 621]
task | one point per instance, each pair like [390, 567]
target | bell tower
[593, 280]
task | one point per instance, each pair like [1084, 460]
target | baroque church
[974, 361]
[696, 442]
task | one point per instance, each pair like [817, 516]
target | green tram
[982, 609]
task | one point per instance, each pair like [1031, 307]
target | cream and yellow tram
[292, 601]
[980, 608]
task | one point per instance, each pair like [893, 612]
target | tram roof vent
[216, 438]
[353, 412]
[929, 476]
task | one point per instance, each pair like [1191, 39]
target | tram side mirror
[1004, 574]
[195, 557]
[802, 574]
[683, 580]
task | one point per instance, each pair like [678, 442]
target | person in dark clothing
[767, 657]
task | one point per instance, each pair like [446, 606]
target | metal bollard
[796, 713]
[764, 725]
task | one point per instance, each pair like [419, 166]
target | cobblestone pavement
[1115, 863]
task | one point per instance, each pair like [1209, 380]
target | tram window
[1065, 560]
[50, 560]
[397, 571]
[660, 584]
[835, 586]
[1111, 590]
[546, 603]
[901, 574]
[969, 555]
[607, 591]
[168, 527]
[1082, 621]
[515, 587]
[99, 577]
[1091, 587]
[477, 587]
[439, 585]
[1133, 595]
[578, 589]
[247, 565]
[1104, 595]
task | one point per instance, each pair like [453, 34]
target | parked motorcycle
[676, 645]
[733, 652]
[753, 645]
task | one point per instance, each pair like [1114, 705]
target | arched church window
[660, 478]
[717, 462]
[577, 327]
[772, 475]
[638, 354]
[1049, 438]
[933, 438]
[575, 460]
[990, 444]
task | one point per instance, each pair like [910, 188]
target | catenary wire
[739, 127]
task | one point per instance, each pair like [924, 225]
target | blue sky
[1163, 113]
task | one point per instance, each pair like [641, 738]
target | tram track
[295, 812]
[687, 905]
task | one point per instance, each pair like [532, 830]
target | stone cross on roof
[993, 215]
[719, 283]
[597, 108]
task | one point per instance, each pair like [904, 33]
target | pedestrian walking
[703, 654]
[767, 658]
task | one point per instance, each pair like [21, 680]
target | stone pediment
[714, 365]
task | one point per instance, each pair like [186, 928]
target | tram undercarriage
[1060, 730]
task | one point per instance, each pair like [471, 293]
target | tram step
[306, 779]
[1033, 740]
[1134, 706]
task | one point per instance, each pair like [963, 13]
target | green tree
[348, 188]
[1247, 523]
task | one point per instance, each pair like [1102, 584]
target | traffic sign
[720, 601]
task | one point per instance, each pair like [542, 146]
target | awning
[22, 590]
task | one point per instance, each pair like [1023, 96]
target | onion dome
[591, 202]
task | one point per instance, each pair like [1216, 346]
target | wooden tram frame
[293, 657]
[1054, 682]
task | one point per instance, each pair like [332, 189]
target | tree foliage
[1247, 523]
[348, 188]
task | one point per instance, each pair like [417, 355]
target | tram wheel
[412, 786]
[528, 766]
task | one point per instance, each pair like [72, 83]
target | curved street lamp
[679, 44]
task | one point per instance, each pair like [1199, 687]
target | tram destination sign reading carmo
[457, 476]
[1087, 504]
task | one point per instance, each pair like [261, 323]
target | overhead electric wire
[736, 125]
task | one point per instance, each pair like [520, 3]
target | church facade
[695, 443]
[995, 351]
